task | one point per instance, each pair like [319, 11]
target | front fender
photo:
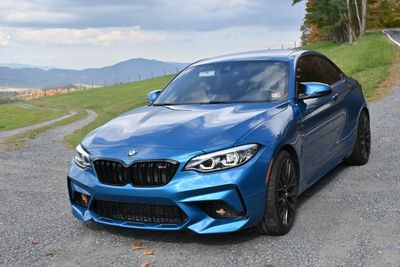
[276, 132]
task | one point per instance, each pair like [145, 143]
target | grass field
[368, 60]
[107, 102]
[13, 116]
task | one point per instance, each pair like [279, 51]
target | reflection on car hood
[188, 127]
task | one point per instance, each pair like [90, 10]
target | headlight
[223, 159]
[82, 157]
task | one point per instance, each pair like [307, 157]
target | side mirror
[313, 90]
[152, 96]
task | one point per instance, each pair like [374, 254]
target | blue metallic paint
[151, 96]
[315, 89]
[319, 131]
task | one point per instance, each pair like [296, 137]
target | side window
[332, 74]
[308, 70]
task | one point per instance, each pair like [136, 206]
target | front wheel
[281, 200]
[362, 146]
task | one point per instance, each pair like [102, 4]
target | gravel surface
[6, 134]
[349, 218]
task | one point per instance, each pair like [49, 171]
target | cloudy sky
[94, 33]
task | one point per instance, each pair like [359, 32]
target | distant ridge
[130, 70]
[21, 66]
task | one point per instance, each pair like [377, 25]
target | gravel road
[349, 218]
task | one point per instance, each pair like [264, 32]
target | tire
[362, 146]
[281, 199]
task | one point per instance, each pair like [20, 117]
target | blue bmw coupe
[229, 143]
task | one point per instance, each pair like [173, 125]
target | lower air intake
[139, 212]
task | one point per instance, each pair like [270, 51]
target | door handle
[335, 97]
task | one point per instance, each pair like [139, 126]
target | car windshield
[228, 82]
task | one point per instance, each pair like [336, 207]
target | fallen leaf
[146, 264]
[148, 252]
[136, 245]
[50, 254]
[34, 242]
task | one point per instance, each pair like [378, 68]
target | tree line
[346, 20]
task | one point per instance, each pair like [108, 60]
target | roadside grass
[107, 102]
[369, 60]
[17, 141]
[13, 116]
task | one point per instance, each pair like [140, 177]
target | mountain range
[21, 66]
[27, 76]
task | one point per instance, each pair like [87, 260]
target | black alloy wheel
[287, 196]
[364, 136]
[281, 199]
[362, 146]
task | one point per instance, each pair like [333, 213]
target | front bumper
[242, 188]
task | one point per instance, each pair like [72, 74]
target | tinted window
[309, 70]
[239, 81]
[332, 74]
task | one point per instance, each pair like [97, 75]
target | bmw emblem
[132, 152]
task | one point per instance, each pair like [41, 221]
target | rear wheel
[362, 146]
[280, 206]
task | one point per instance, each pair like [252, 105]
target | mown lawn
[368, 60]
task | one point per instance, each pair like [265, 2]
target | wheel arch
[364, 108]
[290, 149]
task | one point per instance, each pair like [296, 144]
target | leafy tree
[310, 31]
[383, 14]
[343, 20]
[330, 17]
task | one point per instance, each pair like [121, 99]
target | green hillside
[368, 60]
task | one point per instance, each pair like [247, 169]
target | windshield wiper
[165, 104]
[218, 102]
[193, 103]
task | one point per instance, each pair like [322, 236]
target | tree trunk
[358, 15]
[363, 17]
[349, 24]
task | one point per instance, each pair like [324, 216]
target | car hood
[187, 127]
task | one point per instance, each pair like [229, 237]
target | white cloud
[61, 36]
[32, 12]
[4, 38]
[102, 32]
[29, 57]
[34, 16]
[157, 15]
[136, 34]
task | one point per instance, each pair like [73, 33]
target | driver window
[308, 70]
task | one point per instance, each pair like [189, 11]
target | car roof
[276, 54]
